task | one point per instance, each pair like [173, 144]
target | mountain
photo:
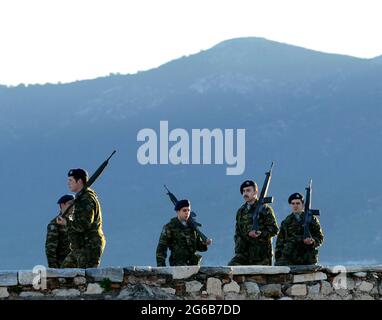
[377, 59]
[317, 115]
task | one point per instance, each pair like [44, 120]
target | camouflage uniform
[290, 248]
[57, 245]
[254, 251]
[183, 243]
[87, 241]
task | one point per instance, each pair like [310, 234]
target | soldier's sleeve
[51, 244]
[280, 243]
[316, 232]
[83, 215]
[163, 244]
[200, 245]
[239, 240]
[269, 228]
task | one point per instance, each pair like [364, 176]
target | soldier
[291, 247]
[57, 245]
[253, 248]
[87, 241]
[181, 239]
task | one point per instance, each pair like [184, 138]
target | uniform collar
[295, 215]
[180, 223]
[250, 206]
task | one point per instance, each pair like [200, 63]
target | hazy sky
[67, 40]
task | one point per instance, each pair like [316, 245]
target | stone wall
[190, 283]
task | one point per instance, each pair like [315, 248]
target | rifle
[263, 199]
[309, 213]
[191, 221]
[91, 180]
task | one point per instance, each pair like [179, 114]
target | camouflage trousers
[88, 257]
[243, 260]
[295, 262]
[193, 260]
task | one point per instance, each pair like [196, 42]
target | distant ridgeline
[195, 283]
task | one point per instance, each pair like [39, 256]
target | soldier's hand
[308, 241]
[208, 242]
[61, 221]
[254, 234]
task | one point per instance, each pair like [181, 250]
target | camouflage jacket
[85, 224]
[290, 248]
[183, 243]
[57, 245]
[255, 250]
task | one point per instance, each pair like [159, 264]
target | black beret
[78, 174]
[181, 204]
[247, 183]
[65, 198]
[295, 196]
